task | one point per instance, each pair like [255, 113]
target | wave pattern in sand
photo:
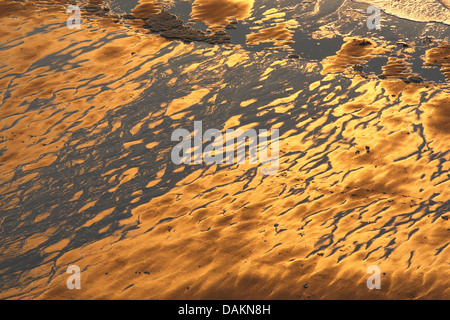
[86, 119]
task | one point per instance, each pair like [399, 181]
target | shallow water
[85, 140]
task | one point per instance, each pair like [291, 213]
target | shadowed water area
[87, 115]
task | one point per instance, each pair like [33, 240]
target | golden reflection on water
[145, 8]
[363, 175]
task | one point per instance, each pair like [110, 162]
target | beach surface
[87, 179]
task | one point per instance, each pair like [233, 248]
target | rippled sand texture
[440, 56]
[419, 10]
[85, 141]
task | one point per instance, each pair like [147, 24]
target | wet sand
[86, 119]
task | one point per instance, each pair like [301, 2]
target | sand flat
[86, 119]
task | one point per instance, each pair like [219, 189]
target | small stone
[415, 79]
[358, 67]
[403, 44]
[364, 43]
[129, 17]
[293, 56]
